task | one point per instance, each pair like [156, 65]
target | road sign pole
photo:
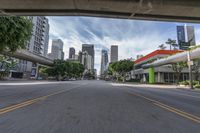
[190, 63]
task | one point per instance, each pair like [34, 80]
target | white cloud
[133, 37]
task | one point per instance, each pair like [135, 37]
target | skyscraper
[46, 35]
[86, 60]
[104, 61]
[38, 44]
[89, 48]
[62, 55]
[57, 49]
[80, 56]
[185, 37]
[181, 35]
[39, 41]
[114, 53]
[72, 53]
[191, 35]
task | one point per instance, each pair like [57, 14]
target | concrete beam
[179, 57]
[162, 10]
[29, 56]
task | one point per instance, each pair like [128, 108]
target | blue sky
[132, 36]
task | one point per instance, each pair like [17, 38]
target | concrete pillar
[144, 78]
[151, 75]
[162, 80]
[159, 77]
[34, 70]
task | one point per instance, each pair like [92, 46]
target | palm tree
[162, 47]
[172, 43]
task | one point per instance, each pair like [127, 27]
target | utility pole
[190, 63]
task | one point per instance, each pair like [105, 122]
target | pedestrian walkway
[154, 86]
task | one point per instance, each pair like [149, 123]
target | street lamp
[190, 63]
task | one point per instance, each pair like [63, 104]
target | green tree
[6, 64]
[89, 74]
[196, 69]
[178, 68]
[121, 68]
[58, 69]
[110, 69]
[14, 32]
[61, 69]
[196, 66]
[172, 43]
[74, 69]
[80, 69]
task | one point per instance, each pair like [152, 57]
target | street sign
[190, 63]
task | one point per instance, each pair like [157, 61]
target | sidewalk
[155, 86]
[14, 80]
[25, 82]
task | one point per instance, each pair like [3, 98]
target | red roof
[158, 52]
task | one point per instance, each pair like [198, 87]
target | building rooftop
[156, 54]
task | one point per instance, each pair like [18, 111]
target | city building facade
[80, 53]
[114, 53]
[104, 62]
[56, 50]
[72, 53]
[191, 35]
[75, 59]
[89, 48]
[161, 74]
[38, 44]
[62, 55]
[87, 60]
[185, 37]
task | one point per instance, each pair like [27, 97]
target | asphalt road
[97, 107]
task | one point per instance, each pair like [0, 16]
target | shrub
[188, 82]
[134, 80]
[195, 82]
[184, 83]
[197, 86]
[120, 79]
[3, 74]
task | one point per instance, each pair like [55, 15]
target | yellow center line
[176, 112]
[16, 107]
[171, 109]
[26, 103]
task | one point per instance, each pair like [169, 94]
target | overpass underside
[162, 10]
[29, 56]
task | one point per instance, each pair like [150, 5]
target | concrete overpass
[180, 57]
[162, 10]
[29, 56]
